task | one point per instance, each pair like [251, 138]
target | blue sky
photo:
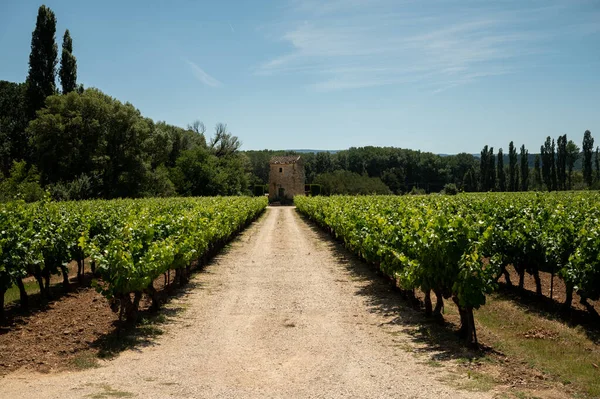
[444, 76]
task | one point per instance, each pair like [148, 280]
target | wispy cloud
[231, 26]
[201, 75]
[343, 44]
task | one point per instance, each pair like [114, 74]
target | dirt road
[281, 313]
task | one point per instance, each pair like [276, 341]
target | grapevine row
[459, 246]
[130, 242]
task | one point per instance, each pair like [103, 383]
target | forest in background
[70, 142]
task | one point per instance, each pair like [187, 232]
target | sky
[444, 76]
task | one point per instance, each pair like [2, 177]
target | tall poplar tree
[545, 152]
[491, 182]
[537, 173]
[500, 171]
[42, 61]
[588, 147]
[553, 166]
[512, 167]
[572, 157]
[68, 65]
[524, 168]
[561, 162]
[597, 161]
[483, 169]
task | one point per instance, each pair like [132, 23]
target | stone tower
[286, 177]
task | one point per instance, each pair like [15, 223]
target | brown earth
[73, 325]
[558, 293]
[284, 312]
[47, 340]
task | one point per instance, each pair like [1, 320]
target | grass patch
[12, 294]
[109, 392]
[563, 352]
[474, 381]
[434, 363]
[85, 361]
[478, 382]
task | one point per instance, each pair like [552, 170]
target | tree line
[553, 168]
[560, 165]
[78, 143]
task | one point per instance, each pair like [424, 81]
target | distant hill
[305, 151]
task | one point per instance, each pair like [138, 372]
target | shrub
[450, 189]
[417, 191]
[23, 183]
[345, 182]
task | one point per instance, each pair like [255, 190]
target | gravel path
[279, 314]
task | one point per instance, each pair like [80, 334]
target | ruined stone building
[286, 177]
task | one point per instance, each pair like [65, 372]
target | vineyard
[130, 242]
[458, 247]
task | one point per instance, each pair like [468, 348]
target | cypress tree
[512, 168]
[597, 161]
[553, 166]
[500, 173]
[483, 167]
[545, 151]
[524, 168]
[537, 173]
[561, 162]
[572, 157]
[491, 170]
[588, 146]
[42, 61]
[68, 65]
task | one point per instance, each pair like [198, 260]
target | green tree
[199, 129]
[572, 157]
[491, 178]
[483, 168]
[195, 172]
[470, 181]
[500, 173]
[546, 153]
[394, 178]
[95, 135]
[323, 163]
[512, 168]
[224, 143]
[597, 162]
[561, 161]
[524, 169]
[42, 61]
[23, 183]
[553, 166]
[587, 147]
[537, 174]
[344, 182]
[13, 121]
[68, 65]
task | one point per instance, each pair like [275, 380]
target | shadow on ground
[143, 333]
[16, 315]
[552, 309]
[436, 338]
